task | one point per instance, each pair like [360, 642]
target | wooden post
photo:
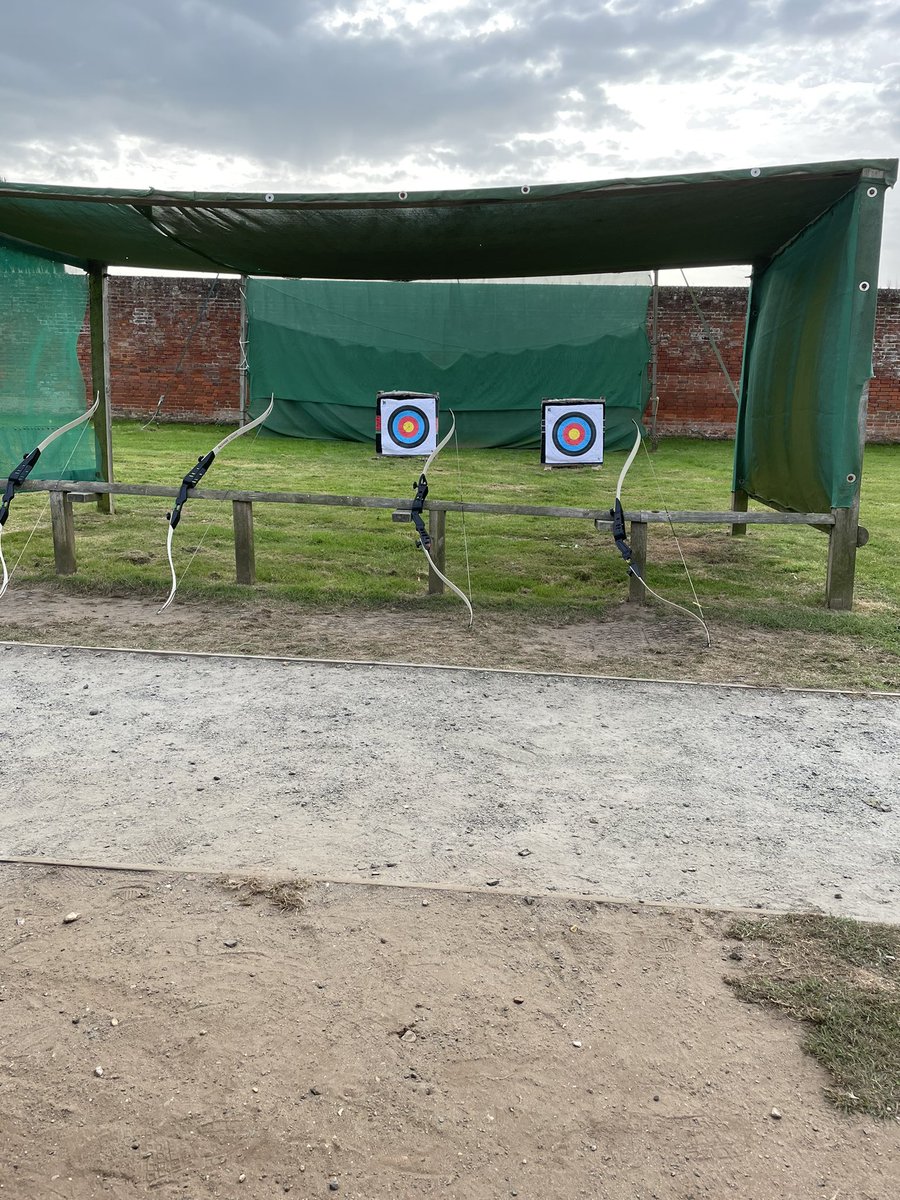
[739, 504]
[63, 525]
[244, 367]
[636, 592]
[654, 363]
[244, 552]
[98, 294]
[437, 528]
[842, 543]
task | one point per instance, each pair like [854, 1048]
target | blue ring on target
[417, 431]
[574, 434]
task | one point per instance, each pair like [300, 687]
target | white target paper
[407, 423]
[572, 432]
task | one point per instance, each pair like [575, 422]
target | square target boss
[572, 433]
[406, 423]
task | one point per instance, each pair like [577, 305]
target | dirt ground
[614, 789]
[396, 1043]
[638, 642]
[400, 1042]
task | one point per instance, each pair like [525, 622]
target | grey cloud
[273, 84]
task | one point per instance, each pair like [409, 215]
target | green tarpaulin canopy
[705, 219]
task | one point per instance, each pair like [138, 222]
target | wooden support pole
[243, 368]
[739, 502]
[63, 525]
[98, 294]
[437, 528]
[244, 552]
[654, 363]
[636, 592]
[842, 543]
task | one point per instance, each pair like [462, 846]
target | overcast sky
[314, 95]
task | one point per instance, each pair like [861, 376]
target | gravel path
[656, 791]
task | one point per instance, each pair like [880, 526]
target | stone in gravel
[70, 917]
[518, 1000]
[492, 882]
[94, 712]
[314, 1091]
[20, 920]
[524, 853]
[775, 1114]
[114, 1022]
[241, 1177]
[424, 903]
[98, 1071]
[576, 1044]
[409, 1036]
[333, 1185]
[737, 955]
[230, 943]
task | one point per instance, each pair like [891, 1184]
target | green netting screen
[42, 311]
[493, 351]
[807, 359]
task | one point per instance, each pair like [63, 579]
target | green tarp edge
[808, 358]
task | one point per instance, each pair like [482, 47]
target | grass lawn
[842, 979]
[772, 579]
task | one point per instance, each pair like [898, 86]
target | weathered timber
[98, 304]
[739, 501]
[637, 593]
[62, 524]
[244, 551]
[437, 529]
[600, 516]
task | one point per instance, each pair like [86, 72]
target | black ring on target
[417, 430]
[573, 434]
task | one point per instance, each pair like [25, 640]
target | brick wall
[172, 336]
[157, 322]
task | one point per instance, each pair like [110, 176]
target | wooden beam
[62, 524]
[842, 558]
[739, 501]
[637, 593]
[600, 516]
[437, 528]
[98, 295]
[244, 551]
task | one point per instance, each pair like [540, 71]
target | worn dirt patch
[474, 1047]
[630, 641]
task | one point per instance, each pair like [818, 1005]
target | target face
[572, 432]
[406, 423]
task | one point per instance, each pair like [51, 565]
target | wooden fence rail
[242, 501]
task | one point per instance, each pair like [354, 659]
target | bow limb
[171, 595]
[442, 443]
[449, 582]
[18, 476]
[190, 481]
[620, 537]
[5, 584]
[619, 532]
[423, 540]
[29, 461]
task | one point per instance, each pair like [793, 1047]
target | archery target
[572, 432]
[406, 423]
